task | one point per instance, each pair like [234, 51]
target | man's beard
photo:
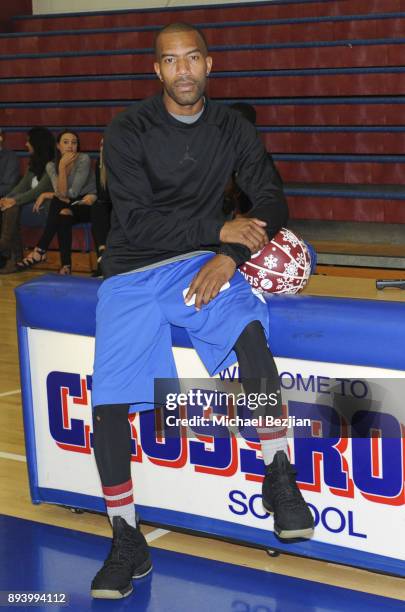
[186, 98]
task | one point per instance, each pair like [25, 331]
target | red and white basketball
[282, 266]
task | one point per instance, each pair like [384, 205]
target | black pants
[100, 213]
[61, 225]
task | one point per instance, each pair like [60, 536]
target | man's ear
[156, 68]
[208, 61]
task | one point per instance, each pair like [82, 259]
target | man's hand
[248, 231]
[209, 280]
[6, 203]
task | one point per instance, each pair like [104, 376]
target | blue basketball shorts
[133, 333]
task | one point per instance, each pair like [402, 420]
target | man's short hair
[180, 27]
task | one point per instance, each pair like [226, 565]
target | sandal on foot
[65, 270]
[31, 260]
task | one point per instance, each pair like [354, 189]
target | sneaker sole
[295, 534]
[108, 594]
[290, 534]
[144, 573]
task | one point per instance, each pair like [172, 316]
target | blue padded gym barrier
[342, 331]
[339, 330]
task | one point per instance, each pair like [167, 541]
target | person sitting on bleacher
[41, 146]
[74, 191]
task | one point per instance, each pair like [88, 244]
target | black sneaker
[129, 558]
[281, 496]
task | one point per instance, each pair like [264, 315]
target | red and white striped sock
[119, 501]
[273, 439]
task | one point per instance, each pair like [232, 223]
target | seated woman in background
[41, 146]
[72, 179]
[101, 210]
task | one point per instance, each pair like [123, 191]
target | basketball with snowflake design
[282, 266]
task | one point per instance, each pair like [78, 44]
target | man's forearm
[275, 216]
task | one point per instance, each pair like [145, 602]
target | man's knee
[254, 329]
[66, 212]
[253, 336]
[254, 355]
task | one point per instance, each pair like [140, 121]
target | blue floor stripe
[37, 557]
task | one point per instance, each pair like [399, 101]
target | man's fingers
[210, 292]
[253, 242]
[192, 289]
[205, 292]
[201, 288]
[263, 242]
[247, 242]
[206, 285]
[204, 289]
[199, 296]
[257, 237]
[256, 240]
[215, 290]
[195, 285]
[255, 234]
[258, 222]
[260, 231]
[244, 230]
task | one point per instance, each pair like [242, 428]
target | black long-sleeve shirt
[167, 181]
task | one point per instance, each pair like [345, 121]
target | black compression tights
[258, 371]
[112, 443]
[112, 434]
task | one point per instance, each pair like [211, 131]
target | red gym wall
[326, 78]
[10, 9]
